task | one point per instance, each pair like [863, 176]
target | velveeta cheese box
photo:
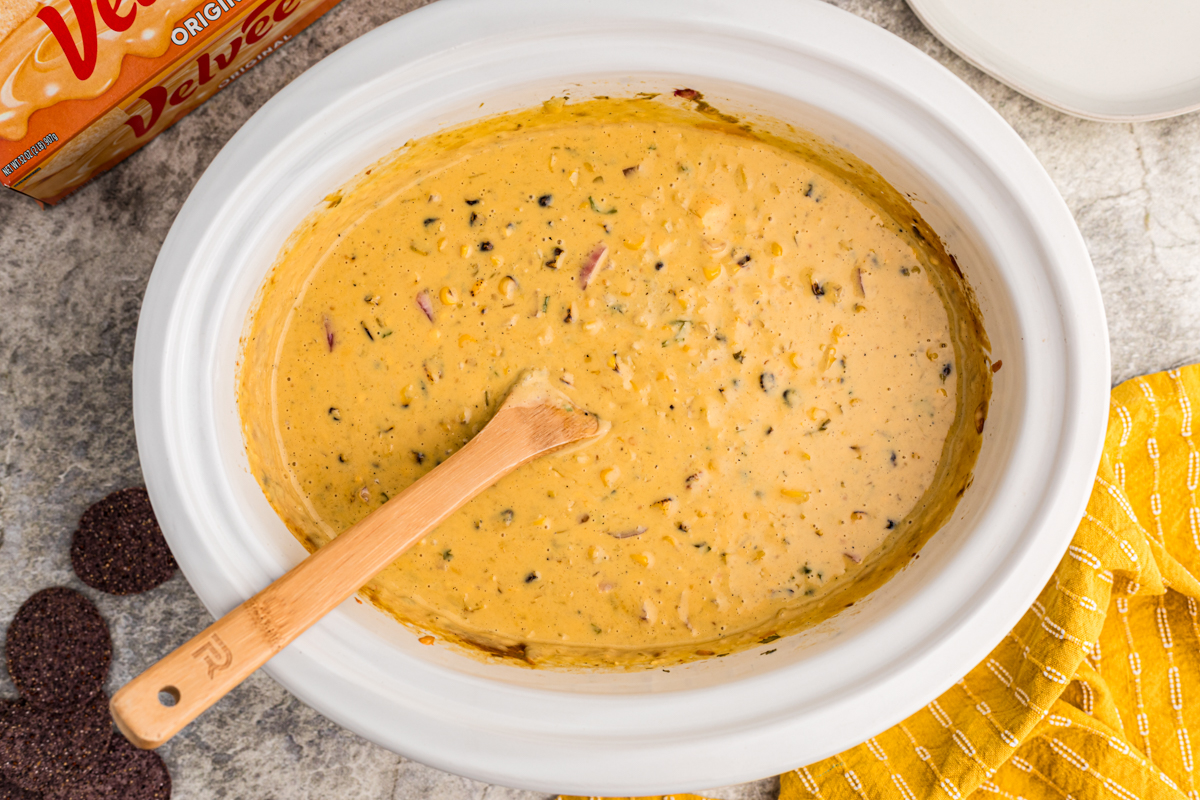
[84, 83]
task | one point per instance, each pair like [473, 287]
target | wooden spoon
[533, 420]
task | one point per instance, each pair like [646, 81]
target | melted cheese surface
[781, 361]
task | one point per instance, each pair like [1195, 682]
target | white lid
[1108, 60]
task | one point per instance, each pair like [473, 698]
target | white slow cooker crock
[722, 720]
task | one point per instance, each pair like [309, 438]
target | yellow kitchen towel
[1096, 692]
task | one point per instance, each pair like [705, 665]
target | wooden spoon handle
[212, 663]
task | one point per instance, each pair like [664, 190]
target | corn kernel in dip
[790, 364]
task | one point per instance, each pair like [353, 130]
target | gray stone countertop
[71, 284]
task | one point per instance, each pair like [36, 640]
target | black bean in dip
[41, 749]
[122, 773]
[58, 649]
[119, 547]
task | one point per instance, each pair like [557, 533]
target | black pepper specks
[531, 577]
[545, 200]
[485, 246]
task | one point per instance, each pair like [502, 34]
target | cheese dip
[791, 365]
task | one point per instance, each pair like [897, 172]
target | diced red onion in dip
[592, 264]
[425, 304]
